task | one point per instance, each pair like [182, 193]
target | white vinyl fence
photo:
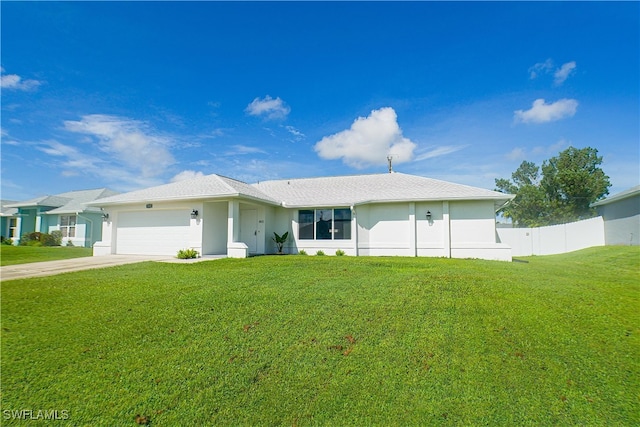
[554, 239]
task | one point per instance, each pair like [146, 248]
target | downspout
[90, 230]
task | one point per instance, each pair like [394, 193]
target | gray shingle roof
[79, 199]
[633, 191]
[313, 192]
[6, 211]
[210, 186]
[69, 202]
[360, 189]
[49, 201]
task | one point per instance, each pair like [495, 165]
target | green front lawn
[11, 255]
[295, 340]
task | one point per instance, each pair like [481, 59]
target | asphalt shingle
[310, 192]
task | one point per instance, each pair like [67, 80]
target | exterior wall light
[428, 215]
[105, 217]
[194, 213]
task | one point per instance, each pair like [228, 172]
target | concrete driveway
[49, 268]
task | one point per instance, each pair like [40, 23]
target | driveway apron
[49, 268]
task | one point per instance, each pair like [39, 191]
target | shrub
[320, 253]
[70, 243]
[187, 254]
[340, 252]
[40, 239]
[48, 240]
[6, 241]
[57, 237]
[31, 239]
[302, 252]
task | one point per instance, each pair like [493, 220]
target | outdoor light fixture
[105, 216]
[194, 213]
[428, 215]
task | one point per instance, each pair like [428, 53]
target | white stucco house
[381, 214]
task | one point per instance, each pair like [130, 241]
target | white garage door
[157, 232]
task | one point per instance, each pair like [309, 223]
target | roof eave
[181, 198]
[499, 201]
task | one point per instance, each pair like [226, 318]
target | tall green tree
[572, 181]
[529, 207]
[569, 183]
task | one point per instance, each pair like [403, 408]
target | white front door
[249, 229]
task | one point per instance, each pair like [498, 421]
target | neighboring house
[67, 212]
[621, 213]
[8, 220]
[383, 214]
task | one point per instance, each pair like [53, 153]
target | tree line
[559, 192]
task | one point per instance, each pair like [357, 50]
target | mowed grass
[11, 255]
[295, 340]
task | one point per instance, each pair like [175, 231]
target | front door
[249, 229]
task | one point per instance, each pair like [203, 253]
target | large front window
[324, 224]
[68, 225]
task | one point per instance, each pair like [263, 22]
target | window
[68, 225]
[324, 224]
[13, 228]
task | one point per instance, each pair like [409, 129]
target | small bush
[48, 240]
[6, 241]
[187, 254]
[70, 243]
[302, 252]
[320, 253]
[57, 237]
[340, 252]
[40, 239]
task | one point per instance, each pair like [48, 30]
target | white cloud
[541, 112]
[297, 135]
[243, 149]
[369, 141]
[516, 154]
[215, 133]
[15, 82]
[540, 67]
[129, 141]
[74, 161]
[564, 72]
[269, 108]
[551, 150]
[186, 174]
[559, 75]
[439, 151]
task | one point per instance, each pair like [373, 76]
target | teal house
[8, 219]
[80, 224]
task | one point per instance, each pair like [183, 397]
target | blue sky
[127, 95]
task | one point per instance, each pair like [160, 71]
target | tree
[528, 208]
[570, 182]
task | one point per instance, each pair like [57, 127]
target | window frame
[317, 214]
[69, 229]
[13, 228]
